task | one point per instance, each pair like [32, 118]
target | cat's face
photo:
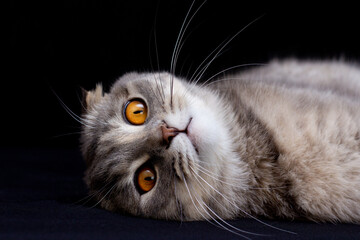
[152, 146]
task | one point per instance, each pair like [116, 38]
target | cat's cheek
[202, 133]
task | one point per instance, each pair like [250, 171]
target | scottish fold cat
[280, 141]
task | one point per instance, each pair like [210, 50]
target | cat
[281, 140]
[278, 141]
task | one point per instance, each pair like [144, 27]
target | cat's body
[282, 140]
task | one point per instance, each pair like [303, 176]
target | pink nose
[169, 133]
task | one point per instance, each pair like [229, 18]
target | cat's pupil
[149, 179]
[138, 112]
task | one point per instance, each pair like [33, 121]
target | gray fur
[279, 141]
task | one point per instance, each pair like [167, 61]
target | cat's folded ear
[91, 98]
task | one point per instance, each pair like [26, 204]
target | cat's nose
[169, 133]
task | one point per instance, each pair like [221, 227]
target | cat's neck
[267, 188]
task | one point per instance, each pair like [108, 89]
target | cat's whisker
[197, 71]
[172, 63]
[222, 48]
[107, 193]
[191, 99]
[183, 41]
[215, 176]
[230, 68]
[221, 223]
[87, 198]
[194, 83]
[243, 211]
[181, 34]
[207, 183]
[201, 69]
[158, 88]
[77, 118]
[83, 107]
[222, 79]
[207, 191]
[66, 134]
[202, 214]
[83, 121]
[188, 67]
[186, 58]
[178, 43]
[92, 120]
[162, 94]
[229, 225]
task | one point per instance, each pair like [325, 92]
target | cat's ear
[90, 98]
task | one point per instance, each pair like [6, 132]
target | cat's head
[156, 146]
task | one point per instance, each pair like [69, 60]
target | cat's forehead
[144, 83]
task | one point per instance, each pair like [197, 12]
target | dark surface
[60, 46]
[42, 197]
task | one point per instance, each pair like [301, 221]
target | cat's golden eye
[136, 112]
[146, 179]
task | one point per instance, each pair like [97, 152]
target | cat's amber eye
[146, 179]
[136, 112]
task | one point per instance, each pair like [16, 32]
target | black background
[60, 46]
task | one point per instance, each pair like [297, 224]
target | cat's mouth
[191, 136]
[169, 133]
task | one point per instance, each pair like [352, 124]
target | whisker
[153, 33]
[195, 78]
[172, 70]
[83, 121]
[66, 134]
[223, 79]
[186, 38]
[157, 88]
[220, 204]
[162, 94]
[182, 31]
[230, 68]
[81, 101]
[183, 66]
[243, 211]
[197, 70]
[90, 196]
[182, 44]
[223, 46]
[175, 53]
[190, 98]
[155, 37]
[192, 200]
[77, 118]
[219, 224]
[107, 193]
[231, 226]
[205, 190]
[215, 176]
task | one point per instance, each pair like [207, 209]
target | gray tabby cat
[280, 141]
